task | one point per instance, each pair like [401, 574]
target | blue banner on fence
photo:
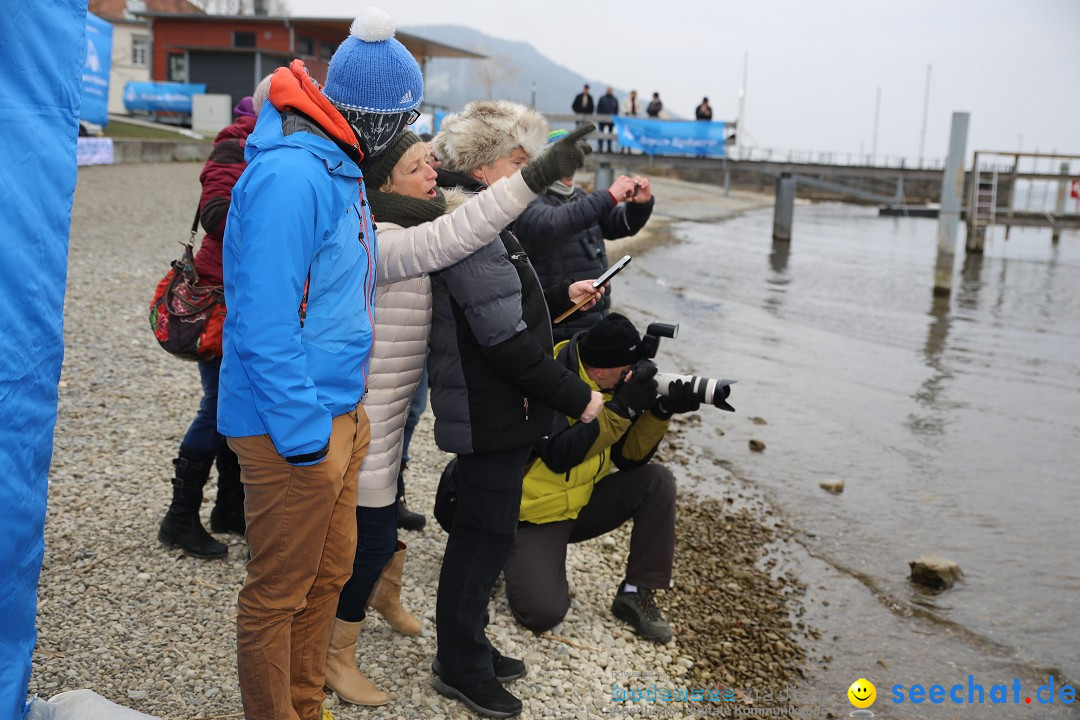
[161, 96]
[95, 78]
[671, 137]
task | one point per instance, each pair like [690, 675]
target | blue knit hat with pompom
[373, 72]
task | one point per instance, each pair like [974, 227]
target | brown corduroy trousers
[301, 530]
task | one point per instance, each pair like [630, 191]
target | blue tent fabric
[42, 52]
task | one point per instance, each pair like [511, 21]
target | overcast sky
[814, 65]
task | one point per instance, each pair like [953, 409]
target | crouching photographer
[590, 478]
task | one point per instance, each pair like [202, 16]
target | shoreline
[152, 629]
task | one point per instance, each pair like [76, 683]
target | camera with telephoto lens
[709, 391]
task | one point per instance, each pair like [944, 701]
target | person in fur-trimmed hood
[495, 387]
[421, 229]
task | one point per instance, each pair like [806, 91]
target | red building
[231, 54]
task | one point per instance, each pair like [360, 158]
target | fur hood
[487, 130]
[455, 198]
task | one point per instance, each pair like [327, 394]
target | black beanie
[612, 342]
[377, 169]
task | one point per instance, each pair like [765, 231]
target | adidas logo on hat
[406, 98]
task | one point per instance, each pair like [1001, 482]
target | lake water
[955, 425]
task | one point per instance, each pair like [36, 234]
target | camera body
[708, 390]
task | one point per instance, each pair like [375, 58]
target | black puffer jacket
[565, 240]
[495, 384]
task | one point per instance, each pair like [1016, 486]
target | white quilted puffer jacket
[403, 315]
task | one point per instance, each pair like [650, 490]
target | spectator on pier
[608, 104]
[704, 110]
[203, 446]
[655, 107]
[588, 479]
[564, 230]
[631, 107]
[583, 104]
[494, 382]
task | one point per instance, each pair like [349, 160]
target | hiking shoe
[488, 698]
[506, 669]
[639, 609]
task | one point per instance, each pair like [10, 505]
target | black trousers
[481, 538]
[535, 574]
[376, 543]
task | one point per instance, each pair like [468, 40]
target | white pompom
[373, 25]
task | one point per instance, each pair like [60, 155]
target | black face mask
[375, 131]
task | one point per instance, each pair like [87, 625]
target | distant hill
[511, 71]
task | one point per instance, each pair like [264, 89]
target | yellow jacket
[559, 482]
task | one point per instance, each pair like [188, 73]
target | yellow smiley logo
[862, 693]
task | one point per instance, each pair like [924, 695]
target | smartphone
[611, 271]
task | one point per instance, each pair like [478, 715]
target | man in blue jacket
[299, 269]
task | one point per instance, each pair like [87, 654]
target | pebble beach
[152, 629]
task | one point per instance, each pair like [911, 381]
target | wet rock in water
[757, 446]
[935, 572]
[758, 420]
[835, 486]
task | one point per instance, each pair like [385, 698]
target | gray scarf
[403, 210]
[560, 188]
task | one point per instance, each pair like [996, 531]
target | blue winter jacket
[299, 208]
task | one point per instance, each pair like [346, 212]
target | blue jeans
[416, 409]
[202, 435]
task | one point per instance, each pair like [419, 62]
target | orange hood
[293, 87]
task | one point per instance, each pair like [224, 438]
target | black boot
[406, 519]
[228, 512]
[181, 526]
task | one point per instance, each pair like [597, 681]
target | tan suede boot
[386, 596]
[342, 675]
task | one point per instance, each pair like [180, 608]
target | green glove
[562, 159]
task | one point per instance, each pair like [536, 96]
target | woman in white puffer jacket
[420, 230]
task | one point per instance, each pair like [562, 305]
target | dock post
[784, 211]
[1059, 207]
[952, 189]
[604, 177]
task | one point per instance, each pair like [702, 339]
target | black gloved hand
[562, 159]
[681, 398]
[637, 394]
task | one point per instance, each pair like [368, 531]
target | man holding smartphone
[563, 230]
